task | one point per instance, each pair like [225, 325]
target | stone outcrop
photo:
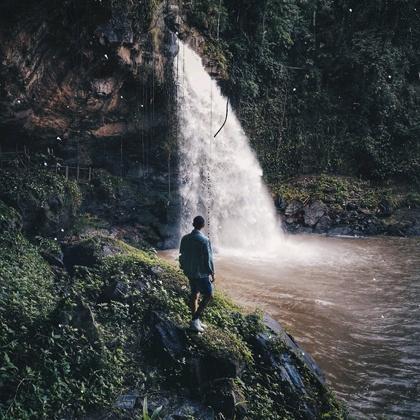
[350, 220]
[86, 73]
[215, 376]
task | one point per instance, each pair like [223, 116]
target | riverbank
[93, 326]
[339, 205]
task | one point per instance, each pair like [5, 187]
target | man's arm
[182, 254]
[208, 258]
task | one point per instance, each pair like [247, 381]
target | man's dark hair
[198, 222]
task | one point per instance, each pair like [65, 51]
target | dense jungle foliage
[322, 85]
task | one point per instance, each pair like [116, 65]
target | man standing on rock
[196, 261]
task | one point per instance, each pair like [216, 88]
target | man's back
[196, 259]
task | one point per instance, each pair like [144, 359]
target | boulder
[287, 365]
[80, 316]
[351, 206]
[303, 229]
[341, 231]
[169, 340]
[127, 401]
[385, 208]
[210, 367]
[118, 30]
[314, 212]
[116, 291]
[324, 223]
[54, 259]
[177, 406]
[10, 219]
[227, 399]
[280, 203]
[404, 222]
[87, 252]
[290, 342]
[293, 209]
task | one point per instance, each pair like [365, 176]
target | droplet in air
[122, 97]
[55, 239]
[389, 76]
[106, 56]
[62, 230]
[45, 164]
[350, 10]
[59, 138]
[18, 101]
[382, 316]
[294, 89]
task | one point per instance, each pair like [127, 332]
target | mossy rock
[27, 287]
[10, 219]
[91, 351]
[47, 202]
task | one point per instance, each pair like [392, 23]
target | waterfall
[220, 178]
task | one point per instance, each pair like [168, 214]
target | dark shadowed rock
[324, 223]
[280, 203]
[314, 212]
[290, 342]
[80, 316]
[127, 401]
[385, 208]
[210, 367]
[116, 291]
[341, 231]
[226, 398]
[293, 209]
[178, 407]
[303, 229]
[10, 219]
[87, 252]
[54, 259]
[170, 341]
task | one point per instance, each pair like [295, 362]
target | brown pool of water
[353, 304]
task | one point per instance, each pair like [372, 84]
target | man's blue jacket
[196, 255]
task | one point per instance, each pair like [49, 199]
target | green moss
[225, 344]
[26, 290]
[69, 373]
[40, 185]
[338, 191]
[9, 218]
[412, 199]
[217, 54]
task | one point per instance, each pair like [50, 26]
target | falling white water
[220, 178]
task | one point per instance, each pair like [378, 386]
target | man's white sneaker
[196, 326]
[202, 325]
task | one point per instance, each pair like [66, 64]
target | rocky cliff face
[90, 79]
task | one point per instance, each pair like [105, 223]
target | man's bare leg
[194, 304]
[203, 304]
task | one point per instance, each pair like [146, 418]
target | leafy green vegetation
[321, 86]
[38, 185]
[9, 217]
[340, 191]
[66, 350]
[46, 202]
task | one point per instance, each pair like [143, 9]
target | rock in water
[314, 212]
